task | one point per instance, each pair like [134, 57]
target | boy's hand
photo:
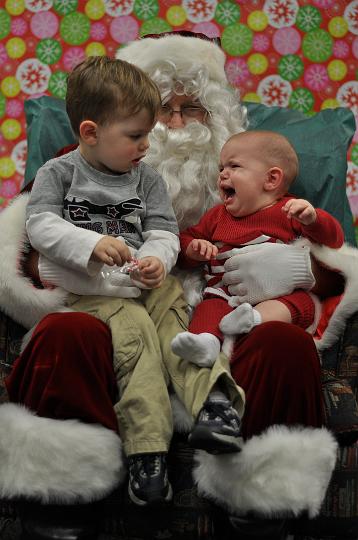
[201, 250]
[301, 210]
[151, 272]
[111, 251]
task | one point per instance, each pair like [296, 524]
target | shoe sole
[201, 438]
[151, 502]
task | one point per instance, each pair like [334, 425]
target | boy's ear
[88, 132]
[274, 179]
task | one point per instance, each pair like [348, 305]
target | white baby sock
[200, 349]
[241, 320]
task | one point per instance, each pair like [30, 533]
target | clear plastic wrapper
[131, 268]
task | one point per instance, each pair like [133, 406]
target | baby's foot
[241, 320]
[200, 349]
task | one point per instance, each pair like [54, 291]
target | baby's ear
[274, 179]
[88, 132]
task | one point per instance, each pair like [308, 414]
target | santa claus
[56, 437]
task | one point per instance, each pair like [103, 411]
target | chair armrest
[340, 384]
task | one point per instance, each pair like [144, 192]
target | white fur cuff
[281, 472]
[62, 461]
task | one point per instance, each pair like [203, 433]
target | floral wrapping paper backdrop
[290, 53]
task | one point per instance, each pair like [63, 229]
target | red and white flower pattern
[33, 76]
[347, 96]
[200, 10]
[115, 8]
[281, 12]
[273, 90]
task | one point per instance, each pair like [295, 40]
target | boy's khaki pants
[144, 364]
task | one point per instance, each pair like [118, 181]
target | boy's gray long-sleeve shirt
[72, 205]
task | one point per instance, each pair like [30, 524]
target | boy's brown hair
[103, 89]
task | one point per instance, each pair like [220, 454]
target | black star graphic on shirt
[112, 211]
[80, 212]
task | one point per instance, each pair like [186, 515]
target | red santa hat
[183, 49]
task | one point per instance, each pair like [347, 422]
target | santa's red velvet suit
[57, 438]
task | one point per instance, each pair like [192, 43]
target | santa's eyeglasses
[188, 113]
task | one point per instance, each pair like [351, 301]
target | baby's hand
[201, 250]
[151, 272]
[111, 251]
[301, 210]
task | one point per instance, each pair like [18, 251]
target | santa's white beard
[187, 158]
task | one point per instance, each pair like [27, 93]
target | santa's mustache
[182, 141]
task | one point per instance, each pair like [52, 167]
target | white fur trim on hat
[56, 461]
[183, 51]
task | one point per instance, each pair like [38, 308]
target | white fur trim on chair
[19, 298]
[281, 472]
[56, 461]
[344, 260]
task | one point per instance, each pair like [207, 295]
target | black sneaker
[148, 479]
[217, 428]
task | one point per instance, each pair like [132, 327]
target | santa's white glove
[263, 271]
[78, 283]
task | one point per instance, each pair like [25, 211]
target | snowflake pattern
[308, 18]
[5, 23]
[281, 12]
[38, 5]
[340, 49]
[317, 45]
[33, 76]
[290, 67]
[351, 16]
[49, 51]
[3, 54]
[347, 96]
[58, 84]
[352, 179]
[260, 42]
[200, 10]
[14, 108]
[273, 90]
[98, 31]
[286, 40]
[8, 189]
[227, 13]
[301, 100]
[65, 6]
[146, 9]
[237, 71]
[115, 8]
[73, 57]
[316, 77]
[19, 26]
[297, 41]
[19, 155]
[323, 3]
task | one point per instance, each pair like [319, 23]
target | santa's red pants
[66, 372]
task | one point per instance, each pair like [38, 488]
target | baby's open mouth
[228, 192]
